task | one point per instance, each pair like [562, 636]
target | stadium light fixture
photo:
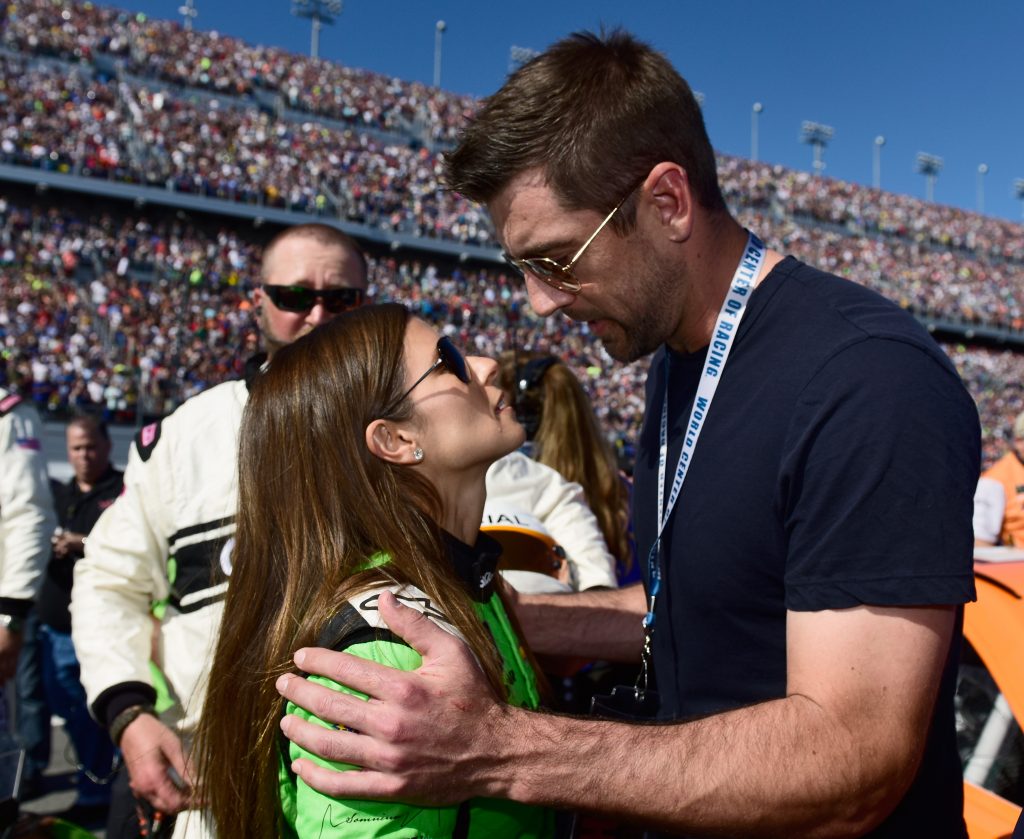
[876, 171]
[319, 12]
[518, 56]
[1018, 191]
[982, 172]
[188, 11]
[929, 165]
[817, 136]
[439, 29]
[755, 113]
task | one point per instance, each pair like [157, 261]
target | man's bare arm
[832, 758]
[602, 624]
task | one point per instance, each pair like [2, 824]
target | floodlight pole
[319, 12]
[188, 11]
[1018, 191]
[755, 112]
[982, 172]
[817, 136]
[439, 29]
[929, 165]
[876, 171]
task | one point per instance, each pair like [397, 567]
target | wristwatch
[12, 623]
[126, 718]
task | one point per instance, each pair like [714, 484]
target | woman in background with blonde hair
[559, 420]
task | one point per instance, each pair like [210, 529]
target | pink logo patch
[149, 434]
[9, 402]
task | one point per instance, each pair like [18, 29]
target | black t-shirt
[77, 512]
[836, 467]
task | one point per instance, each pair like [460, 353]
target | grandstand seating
[127, 308]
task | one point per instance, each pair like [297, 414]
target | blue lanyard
[733, 308]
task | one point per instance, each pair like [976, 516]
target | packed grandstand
[142, 166]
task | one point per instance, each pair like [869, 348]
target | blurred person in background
[999, 500]
[564, 433]
[79, 503]
[168, 536]
[26, 525]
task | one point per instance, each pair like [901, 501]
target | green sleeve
[313, 815]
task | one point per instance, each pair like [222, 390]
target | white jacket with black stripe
[26, 508]
[161, 541]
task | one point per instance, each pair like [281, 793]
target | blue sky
[943, 77]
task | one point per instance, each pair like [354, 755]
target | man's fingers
[331, 744]
[372, 786]
[328, 704]
[414, 627]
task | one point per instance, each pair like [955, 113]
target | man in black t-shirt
[806, 620]
[94, 487]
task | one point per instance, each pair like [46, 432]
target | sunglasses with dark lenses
[298, 298]
[449, 357]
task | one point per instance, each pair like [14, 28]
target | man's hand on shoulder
[431, 735]
[150, 750]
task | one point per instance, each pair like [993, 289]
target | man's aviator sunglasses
[298, 298]
[449, 357]
[555, 274]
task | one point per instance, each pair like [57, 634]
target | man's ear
[390, 442]
[669, 188]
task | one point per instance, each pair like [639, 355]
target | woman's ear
[390, 442]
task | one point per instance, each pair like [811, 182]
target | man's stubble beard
[655, 285]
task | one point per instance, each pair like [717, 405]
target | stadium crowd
[126, 311]
[938, 262]
[112, 310]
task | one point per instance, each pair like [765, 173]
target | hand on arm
[850, 733]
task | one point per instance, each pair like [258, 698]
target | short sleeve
[877, 481]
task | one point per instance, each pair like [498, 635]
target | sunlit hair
[314, 505]
[569, 439]
[596, 113]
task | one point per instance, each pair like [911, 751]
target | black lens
[453, 360]
[290, 298]
[338, 300]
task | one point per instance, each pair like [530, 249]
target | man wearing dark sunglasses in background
[173, 525]
[802, 601]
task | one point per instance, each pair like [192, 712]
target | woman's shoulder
[360, 621]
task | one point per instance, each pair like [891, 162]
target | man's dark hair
[597, 113]
[91, 424]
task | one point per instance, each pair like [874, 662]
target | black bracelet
[126, 718]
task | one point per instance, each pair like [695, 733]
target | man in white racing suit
[166, 536]
[26, 524]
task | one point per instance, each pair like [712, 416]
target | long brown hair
[313, 505]
[569, 440]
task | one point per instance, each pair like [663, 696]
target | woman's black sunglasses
[449, 357]
[299, 298]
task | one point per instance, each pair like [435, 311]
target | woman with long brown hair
[363, 452]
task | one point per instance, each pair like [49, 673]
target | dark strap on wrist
[126, 718]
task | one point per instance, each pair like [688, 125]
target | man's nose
[544, 299]
[318, 314]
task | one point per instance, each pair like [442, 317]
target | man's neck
[716, 253]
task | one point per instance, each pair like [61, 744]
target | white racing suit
[161, 541]
[27, 519]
